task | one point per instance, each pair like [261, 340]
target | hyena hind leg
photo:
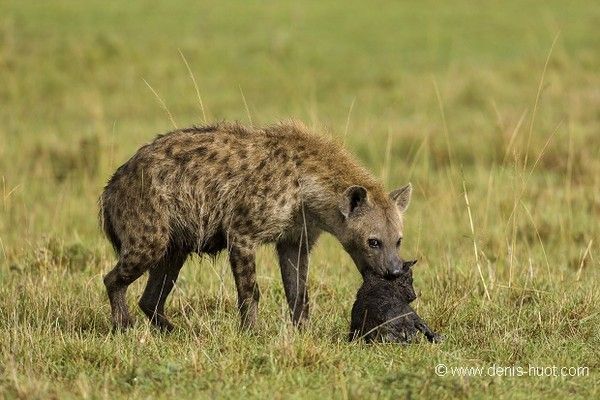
[161, 280]
[131, 265]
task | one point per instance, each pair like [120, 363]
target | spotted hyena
[382, 312]
[231, 187]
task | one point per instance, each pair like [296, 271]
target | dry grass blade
[198, 96]
[487, 293]
[585, 254]
[537, 232]
[389, 321]
[438, 96]
[246, 106]
[513, 136]
[537, 99]
[347, 127]
[162, 104]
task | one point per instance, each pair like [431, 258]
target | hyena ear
[353, 199]
[402, 197]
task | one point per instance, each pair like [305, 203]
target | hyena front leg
[242, 260]
[293, 251]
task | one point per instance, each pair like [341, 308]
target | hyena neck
[321, 198]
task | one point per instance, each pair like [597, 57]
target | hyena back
[207, 189]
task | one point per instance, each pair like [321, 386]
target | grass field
[497, 103]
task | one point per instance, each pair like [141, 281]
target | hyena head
[372, 234]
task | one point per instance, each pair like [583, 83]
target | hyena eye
[399, 242]
[374, 243]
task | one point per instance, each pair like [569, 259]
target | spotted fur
[232, 187]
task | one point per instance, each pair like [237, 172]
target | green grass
[74, 105]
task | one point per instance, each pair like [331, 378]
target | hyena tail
[108, 227]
